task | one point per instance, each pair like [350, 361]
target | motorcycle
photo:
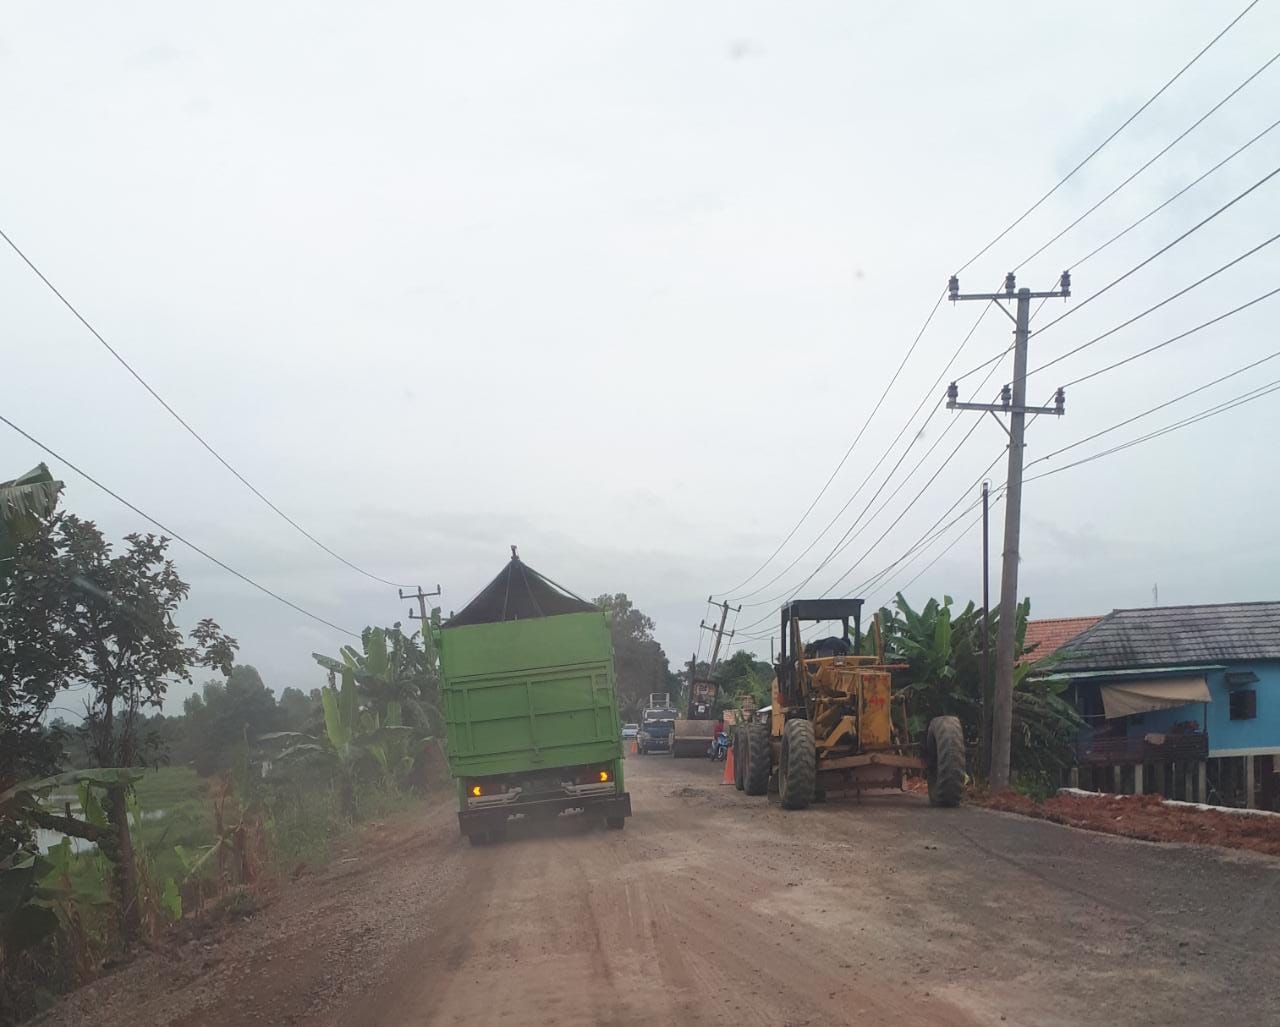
[719, 746]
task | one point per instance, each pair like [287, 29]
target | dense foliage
[943, 652]
[639, 660]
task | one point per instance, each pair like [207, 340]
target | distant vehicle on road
[657, 725]
[629, 732]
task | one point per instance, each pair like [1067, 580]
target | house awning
[1157, 694]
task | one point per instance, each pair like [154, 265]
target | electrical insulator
[1009, 283]
[953, 393]
[1006, 395]
[1066, 283]
[953, 287]
[1060, 400]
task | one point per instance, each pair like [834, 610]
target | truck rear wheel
[945, 752]
[758, 759]
[798, 766]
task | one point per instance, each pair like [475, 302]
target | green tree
[37, 657]
[300, 711]
[222, 715]
[640, 665]
[114, 618]
[743, 672]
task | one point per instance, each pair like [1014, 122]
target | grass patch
[177, 809]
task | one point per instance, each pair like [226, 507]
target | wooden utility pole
[1015, 406]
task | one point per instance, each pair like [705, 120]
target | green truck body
[532, 716]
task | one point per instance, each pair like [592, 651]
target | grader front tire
[798, 767]
[759, 759]
[946, 761]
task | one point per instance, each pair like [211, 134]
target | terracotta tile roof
[1048, 636]
[1176, 634]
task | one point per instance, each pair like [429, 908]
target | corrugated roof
[1050, 634]
[1176, 634]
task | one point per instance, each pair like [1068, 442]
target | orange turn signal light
[475, 790]
[604, 775]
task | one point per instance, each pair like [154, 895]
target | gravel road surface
[713, 907]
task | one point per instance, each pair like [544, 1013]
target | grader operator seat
[846, 612]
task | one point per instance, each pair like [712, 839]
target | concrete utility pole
[718, 632]
[987, 694]
[422, 598]
[1015, 406]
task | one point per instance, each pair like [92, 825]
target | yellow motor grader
[832, 730]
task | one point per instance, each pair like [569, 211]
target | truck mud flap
[602, 807]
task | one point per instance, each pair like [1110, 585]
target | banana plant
[942, 649]
[25, 502]
[352, 737]
[393, 667]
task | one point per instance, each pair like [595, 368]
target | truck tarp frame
[519, 593]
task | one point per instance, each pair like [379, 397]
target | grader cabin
[1182, 701]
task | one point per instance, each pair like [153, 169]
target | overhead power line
[1159, 406]
[1169, 146]
[1186, 188]
[950, 546]
[178, 417]
[844, 459]
[1160, 252]
[1137, 267]
[170, 532]
[884, 454]
[1168, 342]
[1167, 300]
[1204, 415]
[1098, 149]
[932, 390]
[791, 534]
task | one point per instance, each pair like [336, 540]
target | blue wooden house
[1183, 701]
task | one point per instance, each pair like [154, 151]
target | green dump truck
[530, 708]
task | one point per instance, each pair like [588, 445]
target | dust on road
[713, 907]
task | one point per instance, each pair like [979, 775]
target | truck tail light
[605, 776]
[477, 791]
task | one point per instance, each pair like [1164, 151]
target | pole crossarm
[998, 408]
[1053, 295]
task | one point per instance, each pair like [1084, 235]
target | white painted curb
[1080, 793]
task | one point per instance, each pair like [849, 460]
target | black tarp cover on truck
[519, 593]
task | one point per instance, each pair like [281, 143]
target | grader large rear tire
[739, 758]
[759, 759]
[798, 766]
[945, 748]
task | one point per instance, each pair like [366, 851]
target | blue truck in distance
[657, 725]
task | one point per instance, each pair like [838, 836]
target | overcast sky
[619, 283]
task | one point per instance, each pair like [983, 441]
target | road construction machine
[696, 730]
[835, 727]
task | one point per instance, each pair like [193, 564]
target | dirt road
[712, 907]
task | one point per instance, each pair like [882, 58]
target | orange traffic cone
[635, 746]
[728, 767]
